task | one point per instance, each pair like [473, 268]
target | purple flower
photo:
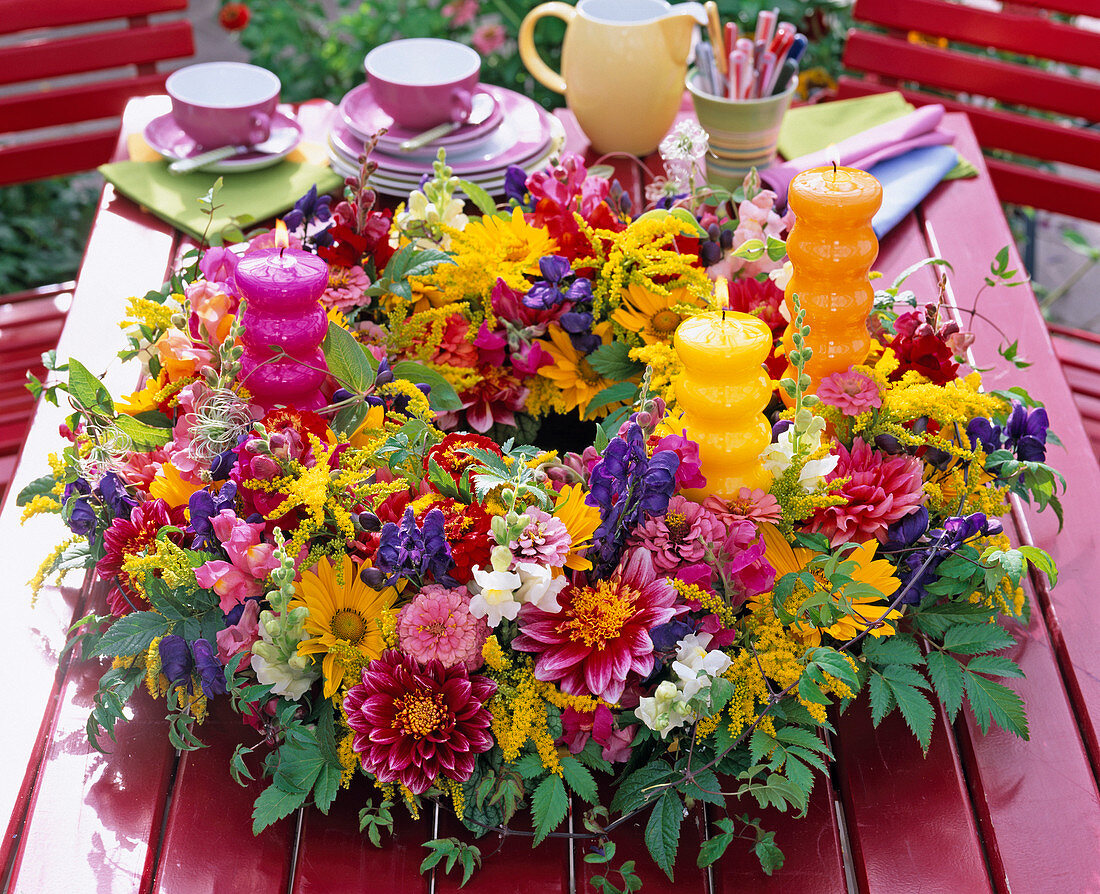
[114, 496]
[515, 185]
[1024, 432]
[79, 514]
[210, 671]
[408, 551]
[309, 208]
[558, 285]
[175, 660]
[907, 530]
[205, 506]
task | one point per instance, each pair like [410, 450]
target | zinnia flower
[601, 635]
[680, 536]
[753, 504]
[437, 624]
[413, 725]
[850, 392]
[882, 489]
[343, 617]
[545, 540]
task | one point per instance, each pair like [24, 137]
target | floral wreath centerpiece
[395, 578]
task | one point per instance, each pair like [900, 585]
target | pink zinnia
[601, 634]
[438, 624]
[455, 347]
[489, 38]
[545, 540]
[850, 392]
[752, 504]
[346, 286]
[679, 537]
[882, 490]
[413, 725]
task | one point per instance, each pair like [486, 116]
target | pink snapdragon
[239, 637]
[250, 561]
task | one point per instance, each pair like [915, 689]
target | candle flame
[721, 293]
[282, 240]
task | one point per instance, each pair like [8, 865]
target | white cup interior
[422, 61]
[223, 85]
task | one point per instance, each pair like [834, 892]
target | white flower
[275, 658]
[695, 666]
[781, 276]
[539, 587]
[687, 141]
[495, 597]
[777, 457]
[664, 711]
[813, 473]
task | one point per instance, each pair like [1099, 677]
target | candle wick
[723, 315]
[282, 248]
[834, 170]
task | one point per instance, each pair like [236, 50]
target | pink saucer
[363, 118]
[165, 136]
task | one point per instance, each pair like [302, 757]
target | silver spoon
[480, 110]
[280, 141]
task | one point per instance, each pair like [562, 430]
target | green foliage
[456, 853]
[603, 883]
[662, 832]
[373, 820]
[549, 806]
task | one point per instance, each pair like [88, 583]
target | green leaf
[548, 806]
[1040, 558]
[947, 677]
[907, 676]
[917, 711]
[529, 766]
[639, 787]
[768, 853]
[481, 199]
[609, 395]
[704, 786]
[612, 361]
[976, 639]
[443, 397]
[882, 699]
[273, 805]
[145, 437]
[715, 846]
[898, 649]
[579, 778]
[132, 634]
[997, 665]
[993, 701]
[39, 487]
[87, 390]
[662, 832]
[352, 365]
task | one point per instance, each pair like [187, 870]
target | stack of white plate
[511, 130]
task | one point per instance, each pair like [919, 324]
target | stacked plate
[511, 130]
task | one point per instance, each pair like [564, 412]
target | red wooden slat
[813, 861]
[38, 293]
[333, 855]
[909, 816]
[1040, 189]
[19, 15]
[52, 158]
[68, 105]
[1025, 34]
[995, 129]
[1072, 611]
[94, 52]
[1005, 81]
[1069, 7]
[208, 846]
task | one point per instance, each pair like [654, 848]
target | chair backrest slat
[70, 105]
[27, 15]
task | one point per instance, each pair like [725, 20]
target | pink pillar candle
[281, 287]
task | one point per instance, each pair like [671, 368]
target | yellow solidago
[494, 656]
[149, 313]
[42, 503]
[519, 712]
[349, 759]
[709, 601]
[543, 397]
[957, 402]
[48, 565]
[155, 681]
[165, 559]
[665, 368]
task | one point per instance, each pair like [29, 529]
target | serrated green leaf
[443, 398]
[916, 709]
[609, 395]
[131, 634]
[579, 778]
[639, 786]
[903, 673]
[704, 786]
[662, 832]
[976, 639]
[996, 702]
[997, 665]
[898, 649]
[882, 699]
[348, 360]
[39, 487]
[529, 766]
[273, 805]
[947, 677]
[612, 361]
[548, 806]
[1042, 560]
[715, 846]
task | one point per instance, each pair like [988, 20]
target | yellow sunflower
[574, 376]
[865, 610]
[344, 619]
[581, 520]
[489, 248]
[145, 399]
[169, 485]
[650, 314]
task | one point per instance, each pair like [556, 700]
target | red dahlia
[413, 724]
[130, 537]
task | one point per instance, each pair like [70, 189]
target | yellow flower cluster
[544, 396]
[959, 401]
[149, 313]
[418, 333]
[664, 368]
[519, 712]
[166, 558]
[349, 759]
[796, 503]
[709, 601]
[458, 796]
[38, 581]
[494, 656]
[42, 503]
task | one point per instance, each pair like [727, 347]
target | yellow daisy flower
[866, 610]
[170, 486]
[344, 619]
[574, 376]
[649, 314]
[145, 399]
[581, 520]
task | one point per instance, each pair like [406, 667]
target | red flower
[919, 348]
[450, 455]
[234, 16]
[601, 635]
[128, 537]
[412, 725]
[467, 530]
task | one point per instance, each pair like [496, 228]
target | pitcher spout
[677, 26]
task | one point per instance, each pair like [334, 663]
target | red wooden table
[978, 813]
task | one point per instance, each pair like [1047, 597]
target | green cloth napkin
[174, 197]
[811, 128]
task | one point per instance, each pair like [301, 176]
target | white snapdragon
[777, 457]
[539, 587]
[275, 657]
[665, 710]
[695, 668]
[494, 592]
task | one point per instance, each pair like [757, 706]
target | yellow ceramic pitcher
[622, 66]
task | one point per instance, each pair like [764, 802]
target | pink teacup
[423, 81]
[224, 103]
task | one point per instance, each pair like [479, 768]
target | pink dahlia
[414, 724]
[438, 624]
[681, 536]
[601, 634]
[882, 490]
[132, 537]
[545, 540]
[850, 392]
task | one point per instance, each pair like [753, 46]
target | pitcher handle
[542, 72]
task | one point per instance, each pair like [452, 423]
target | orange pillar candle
[722, 393]
[832, 248]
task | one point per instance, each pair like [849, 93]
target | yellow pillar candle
[832, 248]
[722, 393]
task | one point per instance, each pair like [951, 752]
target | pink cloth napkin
[864, 150]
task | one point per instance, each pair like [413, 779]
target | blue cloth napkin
[906, 179]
